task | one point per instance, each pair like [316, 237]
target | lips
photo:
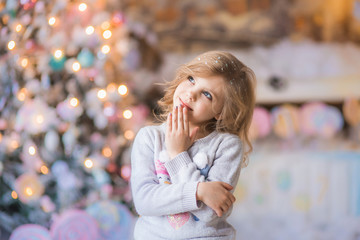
[185, 104]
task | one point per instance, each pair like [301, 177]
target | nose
[191, 95]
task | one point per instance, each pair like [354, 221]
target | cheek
[205, 108]
[178, 91]
[219, 106]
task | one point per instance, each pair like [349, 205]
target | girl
[184, 171]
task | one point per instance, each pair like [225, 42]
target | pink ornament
[30, 231]
[30, 45]
[28, 4]
[260, 124]
[74, 224]
[126, 172]
[319, 119]
[329, 122]
[118, 19]
[3, 124]
[46, 204]
[307, 114]
[39, 7]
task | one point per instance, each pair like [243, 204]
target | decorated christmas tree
[67, 110]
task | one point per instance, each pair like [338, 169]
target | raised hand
[216, 195]
[178, 137]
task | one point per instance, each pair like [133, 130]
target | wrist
[198, 191]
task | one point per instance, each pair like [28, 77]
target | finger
[224, 209]
[227, 186]
[218, 212]
[232, 198]
[229, 204]
[180, 117]
[174, 119]
[186, 120]
[169, 125]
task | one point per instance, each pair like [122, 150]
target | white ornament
[33, 86]
[51, 141]
[100, 121]
[200, 160]
[70, 138]
[163, 156]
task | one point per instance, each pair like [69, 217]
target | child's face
[203, 96]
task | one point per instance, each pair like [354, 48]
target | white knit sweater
[164, 190]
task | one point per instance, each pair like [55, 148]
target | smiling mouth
[185, 104]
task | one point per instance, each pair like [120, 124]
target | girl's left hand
[178, 138]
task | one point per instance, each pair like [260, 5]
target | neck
[201, 132]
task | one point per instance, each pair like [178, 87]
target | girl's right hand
[216, 195]
[178, 137]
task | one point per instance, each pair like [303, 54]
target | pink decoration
[260, 124]
[118, 19]
[178, 220]
[30, 231]
[46, 204]
[320, 119]
[329, 122]
[75, 224]
[3, 124]
[307, 114]
[160, 168]
[126, 172]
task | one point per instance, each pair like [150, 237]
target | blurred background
[78, 80]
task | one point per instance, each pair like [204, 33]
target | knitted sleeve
[226, 168]
[150, 197]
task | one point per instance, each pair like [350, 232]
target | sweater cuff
[189, 197]
[174, 165]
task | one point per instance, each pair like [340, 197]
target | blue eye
[191, 79]
[208, 95]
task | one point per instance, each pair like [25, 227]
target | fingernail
[181, 105]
